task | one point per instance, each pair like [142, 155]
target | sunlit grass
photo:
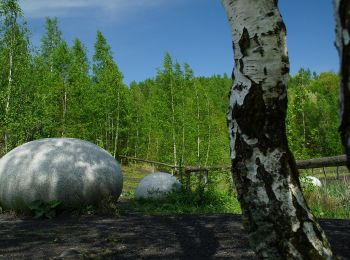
[332, 200]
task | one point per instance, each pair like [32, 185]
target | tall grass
[332, 200]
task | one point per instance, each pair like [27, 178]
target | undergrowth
[331, 200]
[209, 201]
[219, 196]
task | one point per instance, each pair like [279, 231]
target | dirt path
[135, 236]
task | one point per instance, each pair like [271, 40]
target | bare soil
[136, 236]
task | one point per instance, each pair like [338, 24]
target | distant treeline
[55, 91]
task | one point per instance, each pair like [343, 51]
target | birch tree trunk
[9, 86]
[342, 17]
[173, 123]
[117, 130]
[209, 130]
[13, 21]
[64, 111]
[275, 214]
[198, 122]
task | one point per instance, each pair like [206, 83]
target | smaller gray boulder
[157, 186]
[313, 180]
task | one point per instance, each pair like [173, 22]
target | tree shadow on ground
[135, 236]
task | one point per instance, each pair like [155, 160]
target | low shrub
[200, 201]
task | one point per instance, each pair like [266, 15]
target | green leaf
[36, 205]
[54, 203]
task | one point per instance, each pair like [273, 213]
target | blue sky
[193, 31]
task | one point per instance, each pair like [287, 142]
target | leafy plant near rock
[43, 209]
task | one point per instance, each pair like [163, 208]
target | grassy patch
[331, 200]
[209, 201]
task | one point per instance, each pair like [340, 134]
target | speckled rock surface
[313, 180]
[73, 171]
[156, 186]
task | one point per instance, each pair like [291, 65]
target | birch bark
[117, 130]
[13, 22]
[342, 17]
[173, 123]
[275, 214]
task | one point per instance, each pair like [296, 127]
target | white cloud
[99, 8]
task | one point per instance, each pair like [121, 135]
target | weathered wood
[337, 172]
[189, 169]
[333, 161]
[322, 162]
[147, 161]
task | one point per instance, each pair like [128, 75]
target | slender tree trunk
[198, 122]
[117, 127]
[64, 112]
[276, 216]
[304, 126]
[342, 17]
[148, 144]
[106, 131]
[173, 123]
[209, 130]
[112, 134]
[10, 76]
[9, 85]
[9, 89]
[137, 134]
[183, 131]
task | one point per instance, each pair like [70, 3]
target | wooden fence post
[337, 172]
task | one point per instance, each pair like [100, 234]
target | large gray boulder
[157, 186]
[74, 171]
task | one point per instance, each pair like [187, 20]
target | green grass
[209, 201]
[329, 201]
[218, 198]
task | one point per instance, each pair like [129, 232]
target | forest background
[54, 90]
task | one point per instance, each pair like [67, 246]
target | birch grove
[276, 216]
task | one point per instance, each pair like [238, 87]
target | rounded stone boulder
[313, 181]
[157, 186]
[73, 171]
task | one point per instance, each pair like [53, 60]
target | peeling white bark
[209, 130]
[277, 218]
[10, 75]
[117, 130]
[173, 123]
[198, 122]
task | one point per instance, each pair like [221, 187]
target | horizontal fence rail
[185, 171]
[333, 161]
[128, 158]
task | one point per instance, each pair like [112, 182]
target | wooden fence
[334, 161]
